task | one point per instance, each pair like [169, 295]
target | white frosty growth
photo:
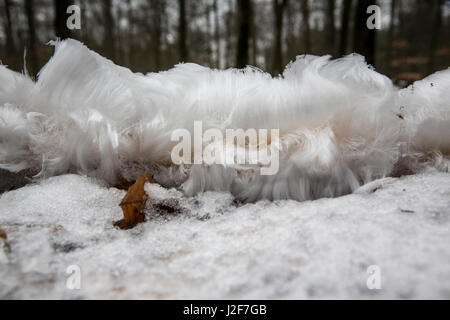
[341, 123]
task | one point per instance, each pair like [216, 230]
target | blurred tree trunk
[217, 34]
[390, 39]
[120, 51]
[277, 62]
[59, 23]
[306, 30]
[130, 31]
[243, 31]
[436, 11]
[229, 34]
[84, 22]
[330, 26]
[401, 13]
[167, 54]
[364, 38]
[345, 19]
[290, 38]
[208, 33]
[31, 52]
[157, 15]
[10, 45]
[182, 31]
[108, 38]
[253, 34]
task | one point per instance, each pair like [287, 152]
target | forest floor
[215, 248]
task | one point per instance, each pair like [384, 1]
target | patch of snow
[216, 248]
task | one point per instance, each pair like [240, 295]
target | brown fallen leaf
[3, 239]
[3, 234]
[133, 203]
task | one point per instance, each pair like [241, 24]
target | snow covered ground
[215, 248]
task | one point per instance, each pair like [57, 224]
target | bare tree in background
[60, 8]
[243, 16]
[229, 23]
[182, 31]
[157, 13]
[85, 22]
[10, 45]
[217, 33]
[390, 37]
[253, 34]
[208, 33]
[277, 58]
[306, 30]
[130, 41]
[330, 26]
[31, 52]
[108, 37]
[291, 41]
[363, 37]
[345, 19]
[437, 18]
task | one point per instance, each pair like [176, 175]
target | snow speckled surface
[216, 249]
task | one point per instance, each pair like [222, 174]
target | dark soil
[11, 181]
